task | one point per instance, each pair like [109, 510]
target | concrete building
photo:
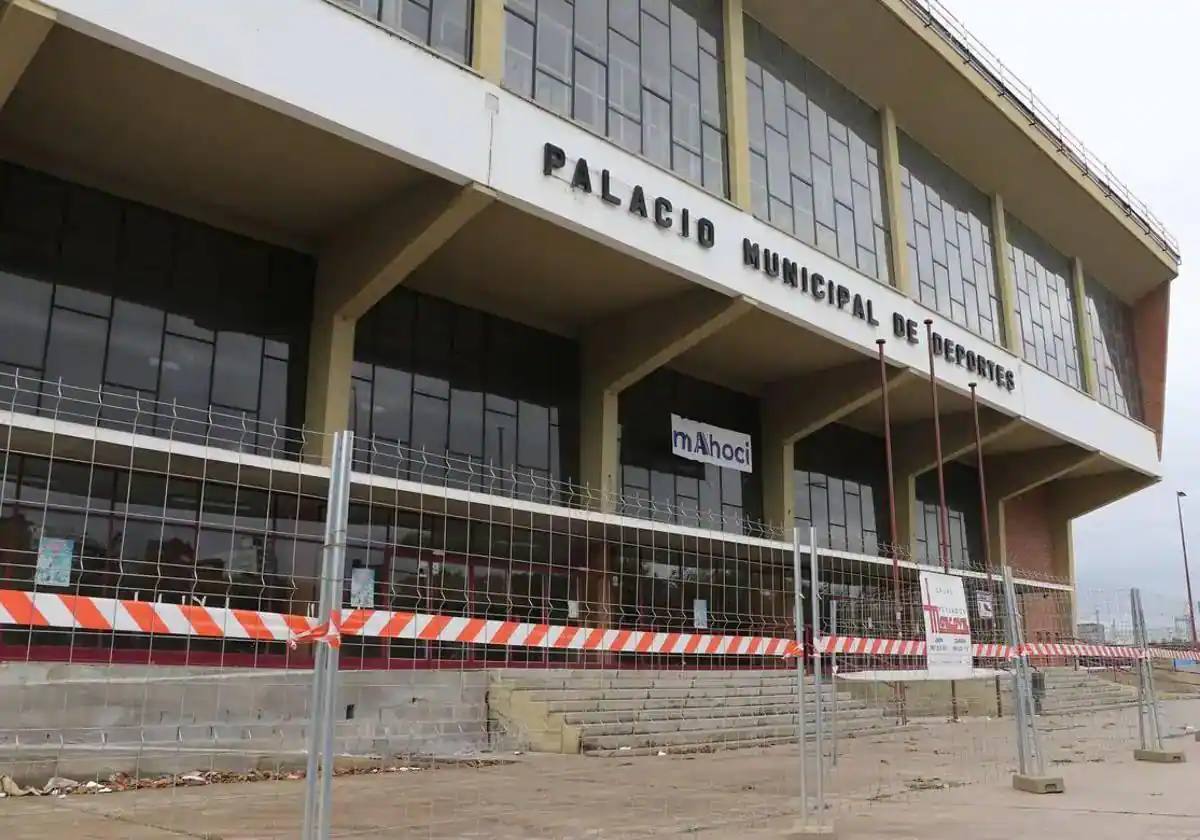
[620, 265]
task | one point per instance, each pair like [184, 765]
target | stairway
[645, 712]
[1071, 691]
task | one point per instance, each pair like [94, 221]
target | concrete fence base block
[809, 829]
[1160, 756]
[1038, 784]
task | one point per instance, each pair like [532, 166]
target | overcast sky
[1122, 75]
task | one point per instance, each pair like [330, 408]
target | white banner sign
[947, 627]
[711, 444]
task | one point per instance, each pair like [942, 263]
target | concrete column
[24, 25]
[1083, 331]
[778, 460]
[487, 40]
[893, 197]
[1006, 282]
[795, 408]
[904, 488]
[650, 337]
[737, 128]
[356, 269]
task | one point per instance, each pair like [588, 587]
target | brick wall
[1028, 534]
[1150, 319]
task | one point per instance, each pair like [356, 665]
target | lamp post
[1187, 575]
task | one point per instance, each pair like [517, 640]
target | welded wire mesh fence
[508, 649]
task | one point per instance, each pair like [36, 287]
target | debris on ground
[60, 786]
[932, 783]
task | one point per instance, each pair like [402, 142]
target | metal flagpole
[893, 549]
[943, 516]
[1187, 574]
[893, 537]
[983, 502]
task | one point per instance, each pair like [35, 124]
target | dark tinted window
[962, 508]
[841, 489]
[658, 484]
[106, 294]
[449, 393]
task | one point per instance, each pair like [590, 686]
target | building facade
[610, 292]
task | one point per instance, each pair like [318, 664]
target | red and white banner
[51, 609]
[69, 612]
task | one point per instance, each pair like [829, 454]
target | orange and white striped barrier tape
[916, 647]
[48, 609]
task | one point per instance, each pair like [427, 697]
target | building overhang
[888, 53]
[321, 144]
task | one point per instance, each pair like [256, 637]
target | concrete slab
[1160, 756]
[1038, 784]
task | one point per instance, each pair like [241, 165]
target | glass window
[839, 472]
[682, 490]
[518, 54]
[135, 345]
[950, 238]
[75, 352]
[500, 393]
[1114, 350]
[449, 28]
[167, 310]
[554, 47]
[589, 92]
[820, 146]
[965, 536]
[1045, 303]
[648, 73]
[24, 318]
[441, 24]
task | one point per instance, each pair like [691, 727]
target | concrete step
[609, 704]
[676, 713]
[544, 694]
[852, 720]
[605, 684]
[717, 735]
[731, 744]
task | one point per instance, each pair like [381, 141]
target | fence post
[1031, 776]
[833, 671]
[816, 826]
[1149, 723]
[318, 792]
[802, 713]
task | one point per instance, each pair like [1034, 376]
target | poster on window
[984, 606]
[362, 588]
[947, 627]
[54, 562]
[700, 614]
